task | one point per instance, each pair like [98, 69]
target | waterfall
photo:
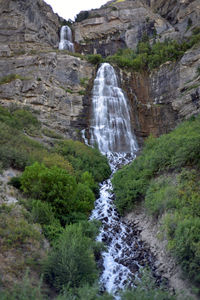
[66, 39]
[110, 129]
[110, 124]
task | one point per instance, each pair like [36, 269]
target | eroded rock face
[45, 79]
[51, 84]
[182, 14]
[59, 85]
[27, 25]
[118, 25]
[166, 96]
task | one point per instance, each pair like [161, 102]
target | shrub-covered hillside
[56, 187]
[166, 176]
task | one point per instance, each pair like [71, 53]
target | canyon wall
[58, 85]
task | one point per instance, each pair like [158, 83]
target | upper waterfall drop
[66, 39]
[110, 125]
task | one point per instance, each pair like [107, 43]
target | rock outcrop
[167, 96]
[33, 73]
[118, 25]
[58, 85]
[28, 25]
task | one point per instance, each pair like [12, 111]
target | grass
[11, 77]
[51, 134]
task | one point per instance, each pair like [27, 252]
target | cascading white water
[111, 130]
[66, 39]
[110, 124]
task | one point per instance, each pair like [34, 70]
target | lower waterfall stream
[110, 129]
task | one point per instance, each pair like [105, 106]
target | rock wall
[27, 25]
[49, 83]
[118, 25]
[58, 85]
[167, 96]
[33, 73]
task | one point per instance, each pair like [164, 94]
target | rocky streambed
[126, 253]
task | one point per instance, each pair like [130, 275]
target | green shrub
[16, 149]
[54, 159]
[59, 188]
[51, 134]
[26, 290]
[16, 182]
[83, 15]
[84, 292]
[146, 289]
[71, 262]
[42, 212]
[9, 78]
[94, 59]
[84, 158]
[15, 231]
[53, 231]
[160, 196]
[184, 241]
[150, 56]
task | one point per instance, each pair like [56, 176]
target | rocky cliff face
[118, 25]
[35, 73]
[166, 96]
[58, 85]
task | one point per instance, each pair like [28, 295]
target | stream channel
[110, 129]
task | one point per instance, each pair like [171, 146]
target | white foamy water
[111, 130]
[66, 39]
[110, 126]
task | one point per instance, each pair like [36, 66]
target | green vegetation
[94, 59]
[148, 57]
[71, 262]
[83, 15]
[10, 77]
[50, 133]
[23, 291]
[84, 158]
[15, 231]
[16, 148]
[166, 175]
[58, 187]
[147, 290]
[82, 92]
[84, 81]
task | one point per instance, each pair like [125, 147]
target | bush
[42, 212]
[146, 289]
[15, 231]
[83, 15]
[59, 188]
[23, 291]
[161, 195]
[150, 56]
[84, 292]
[16, 182]
[94, 59]
[84, 158]
[54, 159]
[71, 262]
[184, 242]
